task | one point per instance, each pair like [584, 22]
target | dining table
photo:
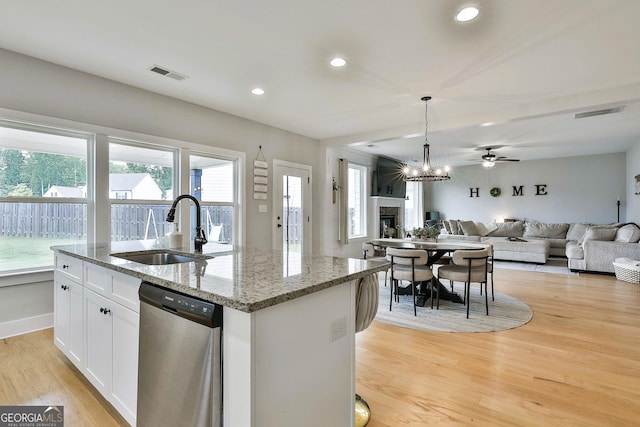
[435, 251]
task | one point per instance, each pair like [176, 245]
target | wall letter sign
[541, 189]
[518, 191]
[474, 192]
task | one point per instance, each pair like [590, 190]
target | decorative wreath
[495, 191]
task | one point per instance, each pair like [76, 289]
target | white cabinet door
[99, 341]
[68, 319]
[124, 384]
[62, 313]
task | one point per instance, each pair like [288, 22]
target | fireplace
[387, 213]
[389, 219]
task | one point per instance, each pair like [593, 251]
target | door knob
[279, 225]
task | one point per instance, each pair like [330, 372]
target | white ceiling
[526, 65]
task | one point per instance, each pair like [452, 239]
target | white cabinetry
[96, 325]
[68, 320]
[112, 324]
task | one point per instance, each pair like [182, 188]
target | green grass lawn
[17, 253]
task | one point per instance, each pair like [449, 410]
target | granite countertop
[246, 279]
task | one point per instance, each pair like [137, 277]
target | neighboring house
[62, 191]
[133, 186]
[121, 186]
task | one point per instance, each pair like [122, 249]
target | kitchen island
[288, 325]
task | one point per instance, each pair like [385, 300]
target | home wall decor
[518, 191]
[260, 176]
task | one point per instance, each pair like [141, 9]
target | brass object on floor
[363, 413]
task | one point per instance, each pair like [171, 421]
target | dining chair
[368, 253]
[408, 265]
[468, 266]
[489, 269]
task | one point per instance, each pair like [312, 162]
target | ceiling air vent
[168, 73]
[599, 112]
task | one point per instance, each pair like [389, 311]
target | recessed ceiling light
[257, 91]
[338, 62]
[466, 14]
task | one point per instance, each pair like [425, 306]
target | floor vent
[168, 73]
[599, 112]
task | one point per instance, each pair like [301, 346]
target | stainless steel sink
[159, 257]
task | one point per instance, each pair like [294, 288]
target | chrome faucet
[200, 238]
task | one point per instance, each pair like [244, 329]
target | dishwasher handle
[188, 307]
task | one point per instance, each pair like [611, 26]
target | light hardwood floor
[576, 363]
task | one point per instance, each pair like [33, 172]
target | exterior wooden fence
[128, 222]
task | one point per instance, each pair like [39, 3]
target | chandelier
[425, 172]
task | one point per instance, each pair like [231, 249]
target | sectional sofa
[588, 247]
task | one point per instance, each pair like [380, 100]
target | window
[141, 179]
[55, 189]
[356, 218]
[413, 207]
[43, 192]
[212, 181]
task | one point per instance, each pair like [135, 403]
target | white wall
[26, 307]
[632, 205]
[580, 189]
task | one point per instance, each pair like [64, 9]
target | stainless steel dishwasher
[180, 358]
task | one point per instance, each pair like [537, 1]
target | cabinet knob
[63, 287]
[65, 266]
[104, 310]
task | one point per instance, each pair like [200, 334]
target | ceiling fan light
[405, 170]
[415, 172]
[447, 168]
[425, 167]
[488, 164]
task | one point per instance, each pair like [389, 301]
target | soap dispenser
[175, 238]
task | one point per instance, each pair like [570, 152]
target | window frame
[362, 196]
[89, 226]
[97, 199]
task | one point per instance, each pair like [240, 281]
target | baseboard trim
[24, 326]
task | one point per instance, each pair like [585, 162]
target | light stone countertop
[246, 279]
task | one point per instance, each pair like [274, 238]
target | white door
[292, 207]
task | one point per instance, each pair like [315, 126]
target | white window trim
[98, 211]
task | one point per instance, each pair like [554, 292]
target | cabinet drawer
[97, 279]
[69, 266]
[124, 290]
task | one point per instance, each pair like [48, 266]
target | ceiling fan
[490, 159]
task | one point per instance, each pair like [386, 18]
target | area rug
[504, 313]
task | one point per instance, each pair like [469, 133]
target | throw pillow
[468, 228]
[577, 230]
[600, 233]
[628, 234]
[508, 229]
[485, 229]
[549, 231]
[455, 229]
